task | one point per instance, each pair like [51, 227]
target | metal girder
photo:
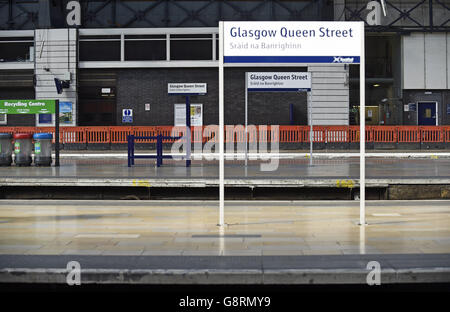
[14, 15]
[22, 14]
[357, 13]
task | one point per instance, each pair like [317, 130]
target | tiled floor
[254, 228]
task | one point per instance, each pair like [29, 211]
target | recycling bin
[22, 149]
[42, 149]
[5, 149]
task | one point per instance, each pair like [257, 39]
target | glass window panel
[149, 50]
[190, 50]
[99, 50]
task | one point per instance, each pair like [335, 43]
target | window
[3, 119]
[145, 47]
[16, 49]
[191, 47]
[99, 48]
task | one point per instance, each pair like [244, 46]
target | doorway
[427, 114]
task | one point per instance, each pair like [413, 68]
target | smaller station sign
[187, 88]
[279, 81]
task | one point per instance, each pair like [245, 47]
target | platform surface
[253, 227]
[85, 171]
[179, 242]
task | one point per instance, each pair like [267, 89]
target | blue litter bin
[42, 149]
[5, 149]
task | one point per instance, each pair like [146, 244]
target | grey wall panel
[435, 61]
[330, 94]
[329, 110]
[413, 61]
[326, 122]
[325, 92]
[448, 60]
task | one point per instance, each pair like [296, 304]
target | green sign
[37, 147]
[27, 106]
[16, 147]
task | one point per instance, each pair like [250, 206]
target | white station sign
[279, 81]
[187, 88]
[292, 42]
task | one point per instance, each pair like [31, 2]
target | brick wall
[135, 87]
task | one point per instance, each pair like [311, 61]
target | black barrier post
[57, 133]
[188, 131]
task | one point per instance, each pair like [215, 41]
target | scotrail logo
[339, 59]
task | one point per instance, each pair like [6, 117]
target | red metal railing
[286, 134]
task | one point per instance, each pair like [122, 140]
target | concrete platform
[95, 171]
[213, 270]
[263, 242]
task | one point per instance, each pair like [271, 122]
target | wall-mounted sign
[196, 115]
[292, 42]
[186, 88]
[406, 108]
[65, 113]
[412, 107]
[279, 81]
[27, 106]
[147, 106]
[127, 115]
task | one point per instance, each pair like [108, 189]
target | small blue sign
[127, 115]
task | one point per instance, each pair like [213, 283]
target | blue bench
[159, 149]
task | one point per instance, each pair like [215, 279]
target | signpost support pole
[221, 130]
[246, 120]
[188, 131]
[311, 134]
[57, 133]
[362, 134]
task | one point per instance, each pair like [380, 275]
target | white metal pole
[311, 135]
[221, 130]
[362, 135]
[246, 119]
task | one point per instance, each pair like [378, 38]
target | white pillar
[362, 136]
[221, 130]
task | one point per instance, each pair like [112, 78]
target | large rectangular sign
[27, 106]
[292, 42]
[278, 81]
[186, 88]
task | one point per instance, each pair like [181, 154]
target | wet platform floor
[115, 168]
[189, 228]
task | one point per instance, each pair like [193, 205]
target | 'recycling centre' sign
[27, 106]
[292, 42]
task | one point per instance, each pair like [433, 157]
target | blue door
[427, 114]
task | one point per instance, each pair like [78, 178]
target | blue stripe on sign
[277, 89]
[292, 59]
